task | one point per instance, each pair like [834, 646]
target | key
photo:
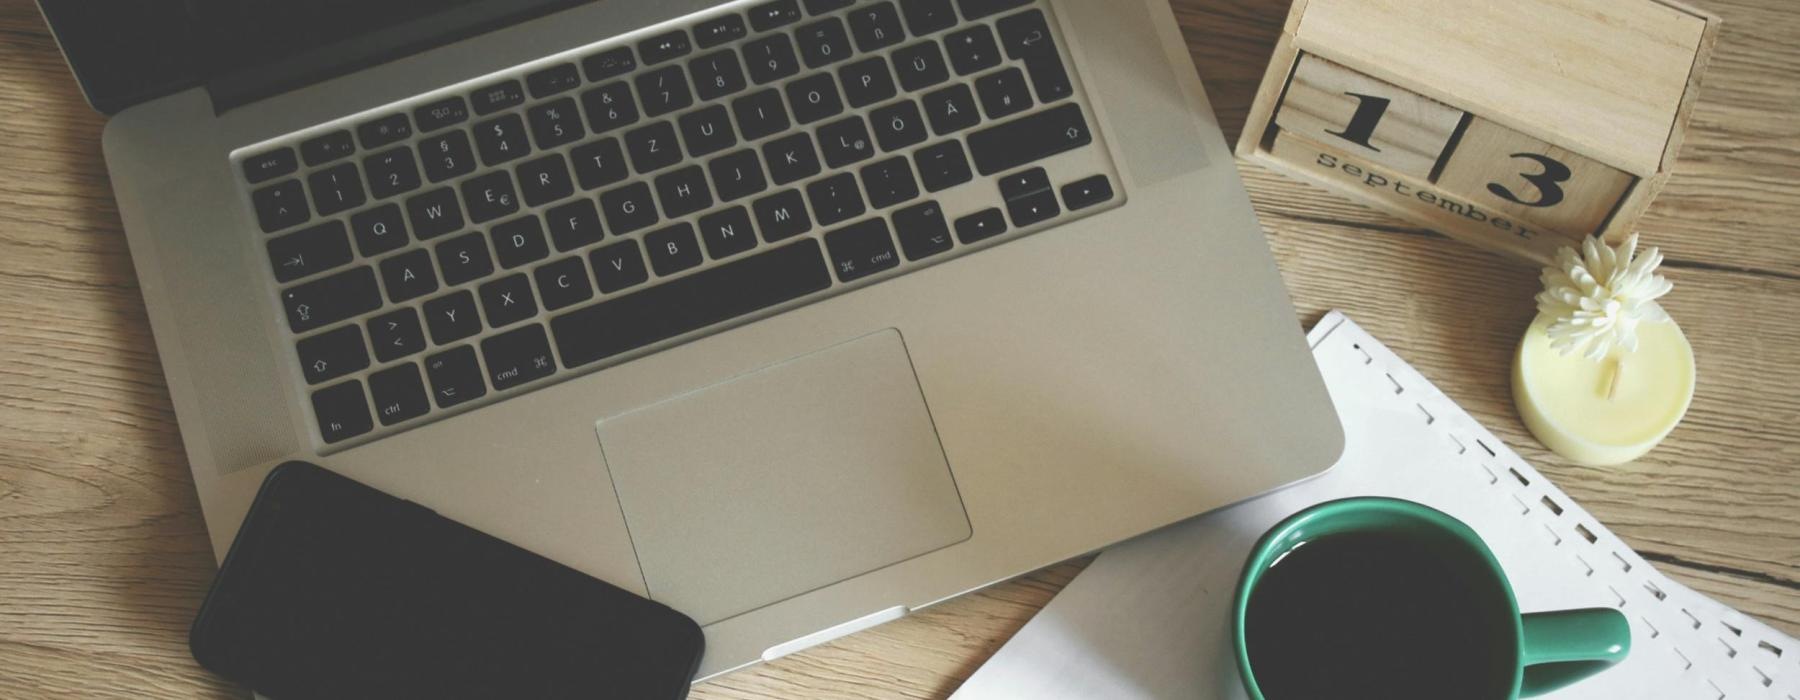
[927, 16]
[977, 9]
[972, 49]
[845, 141]
[672, 249]
[760, 114]
[544, 180]
[399, 394]
[814, 97]
[922, 230]
[782, 215]
[719, 30]
[508, 300]
[1028, 139]
[717, 75]
[464, 258]
[378, 230]
[519, 241]
[664, 90]
[898, 126]
[396, 334]
[1026, 37]
[1033, 208]
[610, 63]
[563, 283]
[707, 130]
[342, 412]
[618, 266]
[628, 208]
[518, 357]
[727, 232]
[820, 7]
[664, 47]
[452, 317]
[549, 81]
[446, 156]
[736, 288]
[332, 354]
[498, 96]
[308, 251]
[489, 196]
[951, 109]
[771, 58]
[434, 213]
[408, 275]
[325, 148]
[876, 27]
[791, 158]
[920, 66]
[835, 199]
[653, 147]
[380, 132]
[861, 249]
[269, 165]
[336, 189]
[1023, 183]
[574, 225]
[556, 123]
[770, 15]
[501, 139]
[599, 163]
[392, 172]
[1003, 93]
[442, 113]
[1087, 192]
[280, 205]
[683, 191]
[455, 376]
[889, 182]
[942, 166]
[331, 299]
[981, 225]
[867, 82]
[737, 175]
[609, 107]
[823, 42]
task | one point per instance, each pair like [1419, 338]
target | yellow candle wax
[1602, 413]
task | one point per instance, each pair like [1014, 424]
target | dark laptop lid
[130, 51]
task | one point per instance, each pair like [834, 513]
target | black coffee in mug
[1392, 615]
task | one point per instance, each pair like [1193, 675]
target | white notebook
[1149, 619]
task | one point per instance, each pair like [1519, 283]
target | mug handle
[1565, 646]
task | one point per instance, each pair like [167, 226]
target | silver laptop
[795, 315]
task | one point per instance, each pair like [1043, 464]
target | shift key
[328, 300]
[1029, 139]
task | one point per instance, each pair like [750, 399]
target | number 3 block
[1334, 106]
[1537, 182]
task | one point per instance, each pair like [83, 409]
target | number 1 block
[1532, 180]
[1329, 104]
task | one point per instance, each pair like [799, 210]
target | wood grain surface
[103, 558]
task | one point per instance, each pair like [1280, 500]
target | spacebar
[699, 300]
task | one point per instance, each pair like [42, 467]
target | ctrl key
[399, 394]
[455, 376]
[342, 411]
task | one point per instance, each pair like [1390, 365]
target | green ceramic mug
[1529, 654]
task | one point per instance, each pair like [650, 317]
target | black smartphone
[333, 589]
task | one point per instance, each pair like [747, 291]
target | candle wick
[1612, 387]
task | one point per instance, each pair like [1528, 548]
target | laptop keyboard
[468, 245]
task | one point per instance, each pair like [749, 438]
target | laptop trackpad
[783, 480]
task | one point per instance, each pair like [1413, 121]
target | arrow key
[315, 249]
[399, 394]
[332, 354]
[396, 334]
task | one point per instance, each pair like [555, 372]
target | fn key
[342, 412]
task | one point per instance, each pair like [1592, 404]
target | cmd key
[1029, 139]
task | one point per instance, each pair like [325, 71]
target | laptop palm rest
[784, 480]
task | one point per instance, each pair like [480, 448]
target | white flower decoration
[1597, 300]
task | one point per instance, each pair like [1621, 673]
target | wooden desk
[103, 559]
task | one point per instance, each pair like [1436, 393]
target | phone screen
[335, 590]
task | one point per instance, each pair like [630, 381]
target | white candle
[1606, 412]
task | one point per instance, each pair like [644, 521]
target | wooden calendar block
[1550, 186]
[1558, 119]
[1386, 125]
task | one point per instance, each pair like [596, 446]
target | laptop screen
[128, 52]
